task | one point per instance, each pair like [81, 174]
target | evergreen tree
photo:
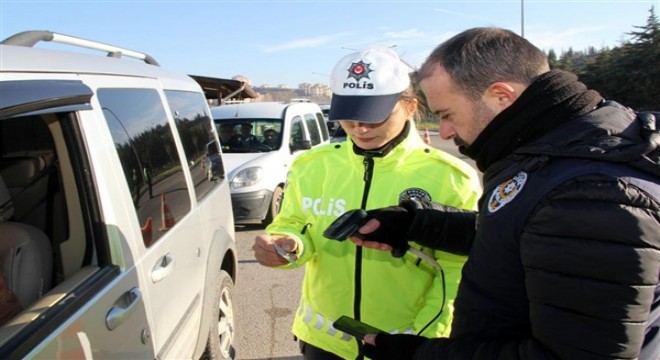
[552, 59]
[566, 60]
[629, 73]
[645, 54]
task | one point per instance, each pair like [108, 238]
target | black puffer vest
[553, 216]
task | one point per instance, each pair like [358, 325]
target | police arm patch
[505, 192]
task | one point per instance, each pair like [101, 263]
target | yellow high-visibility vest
[397, 295]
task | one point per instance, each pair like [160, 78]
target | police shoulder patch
[414, 193]
[505, 192]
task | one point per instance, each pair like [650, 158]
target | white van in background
[259, 142]
[112, 239]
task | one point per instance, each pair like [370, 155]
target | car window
[145, 146]
[245, 135]
[297, 131]
[320, 119]
[195, 129]
[72, 251]
[313, 128]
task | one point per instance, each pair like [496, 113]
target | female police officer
[382, 162]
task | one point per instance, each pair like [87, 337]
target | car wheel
[275, 203]
[221, 333]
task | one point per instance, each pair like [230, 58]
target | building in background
[219, 91]
[318, 93]
[239, 88]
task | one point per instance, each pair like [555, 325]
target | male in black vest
[565, 250]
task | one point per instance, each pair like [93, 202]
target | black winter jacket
[564, 267]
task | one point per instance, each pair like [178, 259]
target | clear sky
[291, 42]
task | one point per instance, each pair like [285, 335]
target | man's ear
[500, 95]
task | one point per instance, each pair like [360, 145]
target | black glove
[429, 224]
[394, 224]
[393, 347]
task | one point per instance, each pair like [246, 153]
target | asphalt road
[265, 299]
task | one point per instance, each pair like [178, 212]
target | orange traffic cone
[147, 234]
[427, 138]
[166, 217]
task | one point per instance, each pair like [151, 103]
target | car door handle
[163, 268]
[122, 308]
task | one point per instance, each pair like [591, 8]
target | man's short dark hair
[478, 57]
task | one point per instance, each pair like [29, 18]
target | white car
[332, 125]
[113, 242]
[259, 142]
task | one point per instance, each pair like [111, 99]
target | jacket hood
[610, 133]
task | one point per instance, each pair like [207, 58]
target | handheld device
[354, 327]
[346, 225]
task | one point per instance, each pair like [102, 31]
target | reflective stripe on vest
[321, 322]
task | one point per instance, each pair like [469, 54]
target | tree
[552, 59]
[645, 53]
[566, 60]
[629, 73]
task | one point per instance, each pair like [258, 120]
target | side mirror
[212, 148]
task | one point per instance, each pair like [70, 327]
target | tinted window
[297, 131]
[322, 125]
[195, 128]
[313, 128]
[244, 135]
[29, 134]
[148, 154]
[28, 166]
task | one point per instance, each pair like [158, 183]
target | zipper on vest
[368, 175]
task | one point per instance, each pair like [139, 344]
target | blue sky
[291, 42]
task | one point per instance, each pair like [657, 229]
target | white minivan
[113, 242]
[259, 142]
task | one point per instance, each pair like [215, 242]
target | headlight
[247, 177]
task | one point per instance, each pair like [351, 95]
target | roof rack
[299, 100]
[30, 38]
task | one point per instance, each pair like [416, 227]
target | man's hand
[431, 225]
[368, 228]
[386, 230]
[265, 251]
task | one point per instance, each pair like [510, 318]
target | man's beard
[460, 142]
[481, 116]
